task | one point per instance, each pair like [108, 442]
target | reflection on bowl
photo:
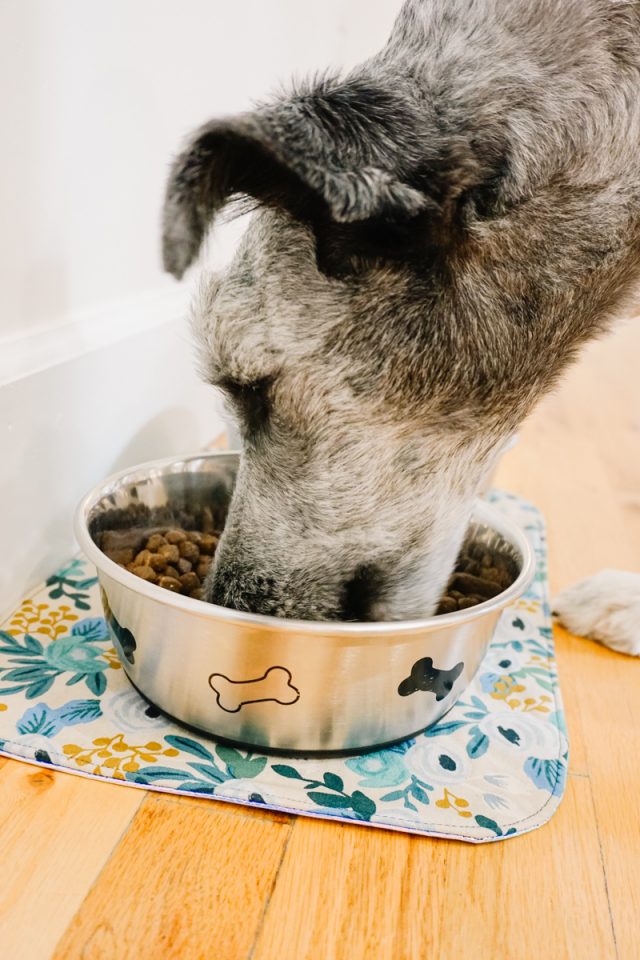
[288, 685]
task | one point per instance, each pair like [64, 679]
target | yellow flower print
[531, 606]
[459, 803]
[545, 663]
[112, 658]
[41, 618]
[506, 686]
[529, 704]
[116, 755]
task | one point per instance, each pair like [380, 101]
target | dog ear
[345, 158]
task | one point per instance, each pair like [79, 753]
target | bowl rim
[482, 511]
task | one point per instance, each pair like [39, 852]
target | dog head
[371, 333]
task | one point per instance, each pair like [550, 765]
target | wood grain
[394, 897]
[610, 685]
[56, 832]
[190, 883]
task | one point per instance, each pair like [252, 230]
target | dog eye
[251, 402]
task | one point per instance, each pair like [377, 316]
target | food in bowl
[174, 558]
[178, 558]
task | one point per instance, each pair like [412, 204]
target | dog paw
[604, 607]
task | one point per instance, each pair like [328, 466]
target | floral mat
[494, 767]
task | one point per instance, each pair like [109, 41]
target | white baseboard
[79, 412]
[37, 348]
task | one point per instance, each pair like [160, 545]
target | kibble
[145, 572]
[448, 605]
[179, 560]
[176, 559]
[465, 602]
[170, 552]
[120, 555]
[175, 536]
[468, 585]
[189, 551]
[170, 583]
[190, 582]
[208, 544]
[156, 541]
[479, 575]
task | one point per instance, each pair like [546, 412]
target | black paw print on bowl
[126, 640]
[424, 676]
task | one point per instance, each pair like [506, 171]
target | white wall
[95, 363]
[65, 428]
[96, 95]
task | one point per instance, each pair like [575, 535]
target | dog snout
[241, 587]
[304, 595]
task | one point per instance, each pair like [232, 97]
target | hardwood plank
[563, 473]
[611, 681]
[610, 686]
[56, 832]
[604, 389]
[189, 881]
[345, 893]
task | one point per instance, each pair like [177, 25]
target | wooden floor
[100, 872]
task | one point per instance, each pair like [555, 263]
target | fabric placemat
[494, 767]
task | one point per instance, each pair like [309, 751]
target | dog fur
[436, 234]
[605, 607]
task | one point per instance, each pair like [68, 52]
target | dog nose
[361, 591]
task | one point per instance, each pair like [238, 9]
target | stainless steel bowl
[289, 685]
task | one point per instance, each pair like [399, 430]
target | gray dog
[435, 236]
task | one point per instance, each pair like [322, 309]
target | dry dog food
[480, 574]
[174, 557]
[178, 559]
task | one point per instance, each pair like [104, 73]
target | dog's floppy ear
[343, 154]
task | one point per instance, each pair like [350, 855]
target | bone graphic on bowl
[424, 676]
[274, 685]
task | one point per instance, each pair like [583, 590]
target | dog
[434, 237]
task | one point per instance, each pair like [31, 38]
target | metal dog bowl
[290, 685]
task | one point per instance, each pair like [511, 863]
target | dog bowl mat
[494, 767]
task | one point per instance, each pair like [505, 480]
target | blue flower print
[386, 768]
